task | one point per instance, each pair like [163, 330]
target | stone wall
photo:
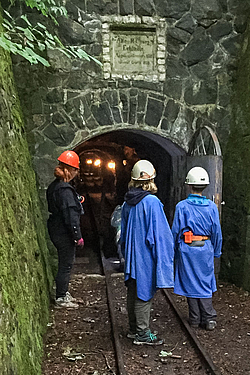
[72, 101]
[237, 179]
[25, 276]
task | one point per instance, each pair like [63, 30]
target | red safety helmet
[70, 158]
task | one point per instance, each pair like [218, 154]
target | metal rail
[206, 357]
[118, 349]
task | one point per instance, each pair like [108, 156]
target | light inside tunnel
[89, 161]
[111, 165]
[97, 163]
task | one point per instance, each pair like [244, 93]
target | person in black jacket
[64, 223]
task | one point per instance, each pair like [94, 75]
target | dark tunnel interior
[106, 163]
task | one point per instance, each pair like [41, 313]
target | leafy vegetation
[22, 37]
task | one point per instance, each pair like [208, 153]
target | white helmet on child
[197, 176]
[143, 170]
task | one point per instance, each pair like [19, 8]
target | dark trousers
[138, 310]
[201, 310]
[66, 255]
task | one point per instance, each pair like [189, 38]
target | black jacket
[65, 210]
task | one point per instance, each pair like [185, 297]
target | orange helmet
[70, 158]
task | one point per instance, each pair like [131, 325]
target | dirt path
[79, 341]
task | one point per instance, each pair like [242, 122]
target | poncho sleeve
[176, 226]
[216, 236]
[159, 238]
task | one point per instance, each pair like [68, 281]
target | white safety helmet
[197, 176]
[143, 170]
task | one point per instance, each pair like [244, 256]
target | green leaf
[41, 46]
[82, 54]
[24, 17]
[29, 34]
[43, 61]
[96, 61]
[41, 25]
[5, 11]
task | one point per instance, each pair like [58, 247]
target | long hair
[63, 172]
[147, 185]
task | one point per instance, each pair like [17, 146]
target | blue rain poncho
[194, 266]
[147, 243]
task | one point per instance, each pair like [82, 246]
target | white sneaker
[65, 302]
[69, 297]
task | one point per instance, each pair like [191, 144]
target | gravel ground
[79, 341]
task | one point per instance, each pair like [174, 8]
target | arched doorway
[106, 163]
[111, 157]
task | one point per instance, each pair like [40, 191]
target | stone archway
[75, 118]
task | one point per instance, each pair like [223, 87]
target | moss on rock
[236, 218]
[25, 276]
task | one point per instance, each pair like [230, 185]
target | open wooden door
[205, 152]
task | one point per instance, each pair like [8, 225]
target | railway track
[121, 344]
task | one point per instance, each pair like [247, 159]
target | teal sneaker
[132, 335]
[148, 338]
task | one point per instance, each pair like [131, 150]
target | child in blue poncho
[198, 239]
[147, 246]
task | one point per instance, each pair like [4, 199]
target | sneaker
[211, 325]
[69, 297]
[65, 302]
[193, 325]
[131, 335]
[147, 339]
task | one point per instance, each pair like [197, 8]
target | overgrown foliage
[29, 39]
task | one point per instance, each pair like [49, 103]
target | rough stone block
[232, 44]
[202, 92]
[166, 125]
[126, 7]
[203, 9]
[240, 23]
[140, 118]
[55, 96]
[203, 70]
[61, 135]
[154, 112]
[112, 97]
[102, 7]
[175, 68]
[173, 88]
[179, 34]
[220, 29]
[116, 114]
[172, 8]
[79, 3]
[132, 110]
[144, 7]
[187, 23]
[102, 114]
[174, 46]
[58, 119]
[142, 100]
[91, 123]
[152, 86]
[171, 111]
[200, 48]
[71, 32]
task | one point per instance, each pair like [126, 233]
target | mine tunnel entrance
[106, 163]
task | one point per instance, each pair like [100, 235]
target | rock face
[197, 44]
[25, 273]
